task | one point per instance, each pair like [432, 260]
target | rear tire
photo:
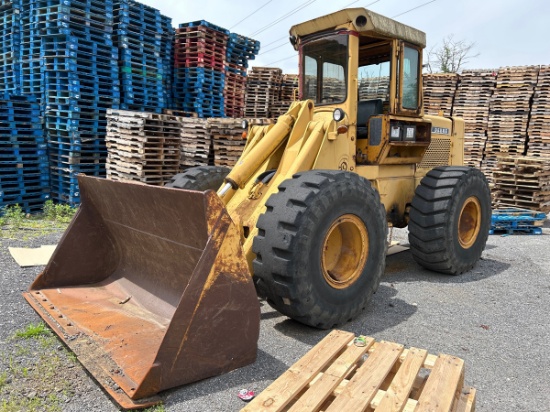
[200, 178]
[450, 219]
[321, 247]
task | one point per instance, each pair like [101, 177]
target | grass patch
[31, 404]
[58, 212]
[36, 383]
[14, 222]
[156, 408]
[32, 331]
[3, 379]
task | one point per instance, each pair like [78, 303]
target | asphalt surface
[495, 317]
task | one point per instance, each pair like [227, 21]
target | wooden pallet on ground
[522, 181]
[345, 373]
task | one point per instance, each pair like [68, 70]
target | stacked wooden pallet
[374, 88]
[196, 144]
[142, 147]
[472, 104]
[523, 182]
[287, 94]
[509, 114]
[439, 92]
[539, 124]
[348, 373]
[227, 138]
[262, 90]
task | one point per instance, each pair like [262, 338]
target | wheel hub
[469, 222]
[345, 250]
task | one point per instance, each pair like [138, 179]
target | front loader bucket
[150, 288]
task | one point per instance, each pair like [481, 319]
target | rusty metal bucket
[150, 288]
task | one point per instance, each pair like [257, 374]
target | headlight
[338, 115]
[244, 124]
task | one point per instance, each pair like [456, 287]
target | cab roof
[363, 21]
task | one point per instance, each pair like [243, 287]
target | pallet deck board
[339, 375]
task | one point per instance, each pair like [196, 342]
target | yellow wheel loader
[154, 287]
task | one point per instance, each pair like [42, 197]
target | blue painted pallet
[511, 220]
[141, 82]
[75, 124]
[511, 231]
[85, 113]
[103, 55]
[17, 152]
[66, 76]
[99, 102]
[99, 37]
[76, 88]
[25, 190]
[28, 206]
[16, 176]
[155, 72]
[75, 24]
[141, 108]
[10, 132]
[11, 98]
[10, 171]
[92, 6]
[136, 41]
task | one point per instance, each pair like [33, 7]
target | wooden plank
[323, 387]
[446, 378]
[467, 400]
[364, 385]
[397, 394]
[290, 383]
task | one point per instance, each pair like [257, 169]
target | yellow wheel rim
[469, 222]
[345, 251]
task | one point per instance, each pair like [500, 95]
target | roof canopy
[363, 21]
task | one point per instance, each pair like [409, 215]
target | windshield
[325, 67]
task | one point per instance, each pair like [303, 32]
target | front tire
[200, 178]
[321, 247]
[450, 219]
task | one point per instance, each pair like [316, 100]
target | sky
[505, 32]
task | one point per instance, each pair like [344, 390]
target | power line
[274, 48]
[370, 4]
[251, 14]
[280, 19]
[286, 58]
[275, 41]
[414, 8]
[275, 22]
[344, 7]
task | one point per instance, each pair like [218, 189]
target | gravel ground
[495, 317]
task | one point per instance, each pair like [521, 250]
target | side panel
[396, 185]
[446, 147]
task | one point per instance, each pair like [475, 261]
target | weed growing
[33, 331]
[14, 222]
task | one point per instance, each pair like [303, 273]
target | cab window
[410, 78]
[325, 63]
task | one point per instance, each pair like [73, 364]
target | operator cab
[369, 67]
